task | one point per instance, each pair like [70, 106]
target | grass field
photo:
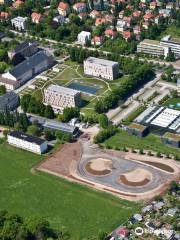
[151, 142]
[70, 207]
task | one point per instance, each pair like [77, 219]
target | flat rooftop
[173, 136]
[62, 90]
[137, 126]
[100, 61]
[150, 42]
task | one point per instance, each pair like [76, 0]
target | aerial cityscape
[89, 119]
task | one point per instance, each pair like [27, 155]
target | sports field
[71, 207]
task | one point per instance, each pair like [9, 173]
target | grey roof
[62, 90]
[27, 137]
[9, 101]
[22, 46]
[101, 61]
[28, 64]
[64, 127]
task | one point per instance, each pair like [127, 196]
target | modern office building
[19, 23]
[160, 118]
[24, 49]
[27, 69]
[101, 68]
[61, 97]
[27, 142]
[9, 101]
[172, 43]
[84, 37]
[153, 47]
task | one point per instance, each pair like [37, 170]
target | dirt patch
[161, 166]
[133, 184]
[60, 161]
[99, 166]
[136, 178]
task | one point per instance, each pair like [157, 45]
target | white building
[152, 47]
[173, 44]
[84, 37]
[27, 142]
[61, 97]
[19, 23]
[101, 68]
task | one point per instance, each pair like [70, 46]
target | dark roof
[28, 64]
[8, 100]
[22, 46]
[27, 137]
[2, 35]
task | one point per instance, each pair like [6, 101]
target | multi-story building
[172, 43]
[26, 70]
[9, 101]
[27, 142]
[19, 23]
[101, 68]
[84, 37]
[152, 47]
[61, 97]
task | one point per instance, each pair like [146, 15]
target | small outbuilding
[138, 130]
[171, 139]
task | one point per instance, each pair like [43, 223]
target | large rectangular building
[152, 47]
[160, 118]
[61, 97]
[27, 142]
[173, 44]
[26, 70]
[101, 68]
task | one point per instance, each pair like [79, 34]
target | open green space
[151, 142]
[172, 30]
[81, 211]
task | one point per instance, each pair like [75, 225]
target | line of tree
[32, 105]
[80, 54]
[127, 86]
[16, 120]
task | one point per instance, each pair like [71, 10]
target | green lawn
[151, 142]
[173, 101]
[72, 207]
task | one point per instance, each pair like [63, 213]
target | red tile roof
[63, 6]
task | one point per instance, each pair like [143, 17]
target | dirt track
[65, 161]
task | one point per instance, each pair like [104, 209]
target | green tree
[49, 113]
[33, 130]
[103, 121]
[2, 90]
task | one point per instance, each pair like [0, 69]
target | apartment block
[27, 142]
[19, 23]
[172, 43]
[101, 68]
[152, 47]
[61, 97]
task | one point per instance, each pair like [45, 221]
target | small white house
[27, 142]
[84, 37]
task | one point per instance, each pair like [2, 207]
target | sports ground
[81, 211]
